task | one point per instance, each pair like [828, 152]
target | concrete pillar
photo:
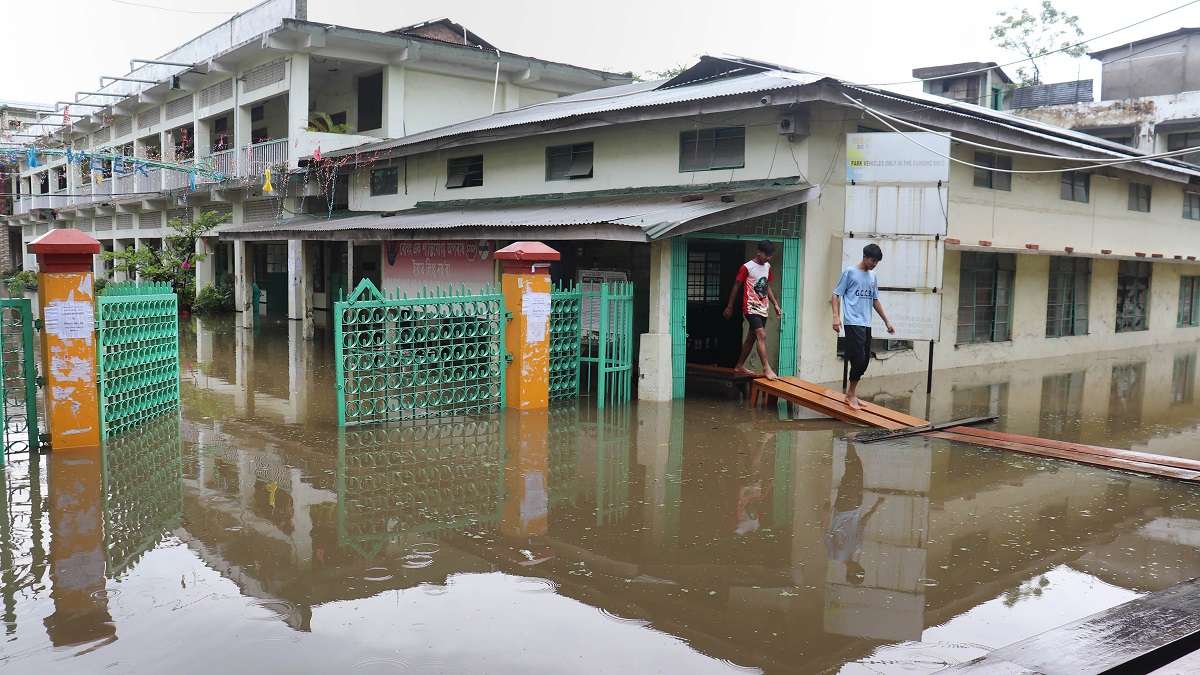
[298, 370]
[297, 102]
[243, 275]
[204, 343]
[243, 373]
[299, 296]
[349, 267]
[205, 263]
[118, 247]
[202, 133]
[393, 101]
[526, 284]
[654, 357]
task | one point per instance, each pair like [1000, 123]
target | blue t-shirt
[858, 291]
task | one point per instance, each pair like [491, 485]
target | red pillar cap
[67, 240]
[528, 251]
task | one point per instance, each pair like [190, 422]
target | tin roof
[636, 217]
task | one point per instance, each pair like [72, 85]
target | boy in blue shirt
[856, 294]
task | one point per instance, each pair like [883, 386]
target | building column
[299, 297]
[243, 277]
[206, 270]
[298, 372]
[393, 101]
[297, 103]
[654, 357]
[119, 247]
[349, 267]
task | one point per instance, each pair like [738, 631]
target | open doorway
[712, 266]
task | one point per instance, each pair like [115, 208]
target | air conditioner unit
[793, 125]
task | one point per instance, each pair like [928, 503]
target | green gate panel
[137, 331]
[565, 333]
[18, 377]
[791, 306]
[609, 307]
[679, 253]
[439, 354]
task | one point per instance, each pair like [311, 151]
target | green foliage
[175, 262]
[99, 285]
[214, 299]
[322, 122]
[1033, 36]
[20, 281]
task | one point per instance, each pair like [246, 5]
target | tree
[1036, 35]
[175, 261]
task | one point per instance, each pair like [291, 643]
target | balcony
[21, 206]
[150, 182]
[177, 180]
[124, 186]
[59, 199]
[40, 202]
[258, 157]
[223, 162]
[102, 191]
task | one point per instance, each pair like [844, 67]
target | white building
[265, 90]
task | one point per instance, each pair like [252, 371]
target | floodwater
[249, 536]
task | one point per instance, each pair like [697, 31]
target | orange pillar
[65, 298]
[526, 286]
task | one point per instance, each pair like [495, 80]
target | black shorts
[756, 321]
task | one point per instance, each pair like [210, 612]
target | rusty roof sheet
[642, 217]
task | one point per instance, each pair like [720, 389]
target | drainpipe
[496, 83]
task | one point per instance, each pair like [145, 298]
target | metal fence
[607, 341]
[565, 301]
[137, 328]
[439, 354]
[18, 377]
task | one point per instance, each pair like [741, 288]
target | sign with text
[410, 265]
[878, 157]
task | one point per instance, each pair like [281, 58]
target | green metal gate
[18, 377]
[565, 303]
[439, 354]
[137, 331]
[607, 319]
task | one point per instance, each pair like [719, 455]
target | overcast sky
[55, 48]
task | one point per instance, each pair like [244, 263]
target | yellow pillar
[526, 286]
[66, 301]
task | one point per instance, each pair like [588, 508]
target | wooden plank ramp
[833, 403]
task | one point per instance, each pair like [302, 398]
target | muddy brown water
[251, 536]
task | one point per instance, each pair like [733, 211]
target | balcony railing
[41, 202]
[176, 180]
[59, 199]
[223, 162]
[150, 182]
[21, 206]
[258, 157]
[125, 186]
[103, 191]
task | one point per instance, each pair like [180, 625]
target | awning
[639, 217]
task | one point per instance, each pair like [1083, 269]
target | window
[1189, 301]
[370, 102]
[1139, 197]
[1191, 205]
[1180, 141]
[1133, 296]
[709, 149]
[220, 125]
[257, 113]
[464, 172]
[985, 297]
[569, 162]
[385, 181]
[1067, 303]
[276, 259]
[993, 180]
[1075, 186]
[62, 179]
[704, 277]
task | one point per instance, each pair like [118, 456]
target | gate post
[66, 303]
[526, 285]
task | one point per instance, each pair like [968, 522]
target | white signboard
[896, 210]
[907, 263]
[918, 157]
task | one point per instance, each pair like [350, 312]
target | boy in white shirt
[754, 282]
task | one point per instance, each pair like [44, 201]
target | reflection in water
[681, 537]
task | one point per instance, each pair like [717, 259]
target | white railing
[41, 202]
[223, 162]
[21, 206]
[59, 199]
[101, 190]
[125, 186]
[150, 182]
[258, 157]
[176, 180]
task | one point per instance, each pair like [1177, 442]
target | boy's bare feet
[770, 374]
[742, 370]
[854, 403]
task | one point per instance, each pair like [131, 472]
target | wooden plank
[1082, 458]
[894, 415]
[876, 436]
[704, 369]
[1133, 455]
[1136, 636]
[825, 405]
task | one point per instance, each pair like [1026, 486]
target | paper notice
[536, 308]
[70, 319]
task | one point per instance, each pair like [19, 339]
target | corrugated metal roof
[645, 217]
[609, 99]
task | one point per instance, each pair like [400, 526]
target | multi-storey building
[265, 90]
[19, 123]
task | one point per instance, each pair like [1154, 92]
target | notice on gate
[70, 319]
[536, 308]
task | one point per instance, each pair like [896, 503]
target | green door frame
[791, 284]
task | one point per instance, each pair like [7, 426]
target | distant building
[19, 122]
[979, 82]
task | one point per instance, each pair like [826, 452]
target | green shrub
[18, 283]
[214, 299]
